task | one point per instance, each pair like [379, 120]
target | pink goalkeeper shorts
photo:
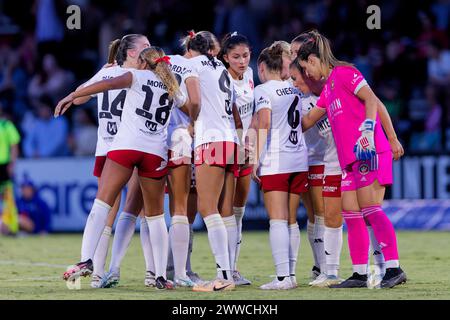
[358, 174]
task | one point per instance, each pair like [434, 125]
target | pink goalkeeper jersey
[346, 112]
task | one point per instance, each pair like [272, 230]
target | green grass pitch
[31, 268]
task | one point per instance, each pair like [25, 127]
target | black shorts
[4, 175]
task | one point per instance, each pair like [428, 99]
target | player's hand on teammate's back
[63, 105]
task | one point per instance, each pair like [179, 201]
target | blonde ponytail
[156, 62]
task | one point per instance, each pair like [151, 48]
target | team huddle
[196, 127]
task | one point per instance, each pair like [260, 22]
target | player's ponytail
[202, 42]
[272, 57]
[158, 62]
[112, 51]
[128, 42]
[318, 45]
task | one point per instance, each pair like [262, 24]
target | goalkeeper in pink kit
[365, 156]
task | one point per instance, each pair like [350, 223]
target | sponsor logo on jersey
[111, 128]
[263, 101]
[151, 125]
[293, 137]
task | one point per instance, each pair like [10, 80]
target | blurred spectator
[84, 137]
[52, 80]
[34, 213]
[441, 9]
[9, 151]
[49, 25]
[430, 138]
[45, 136]
[439, 74]
[14, 78]
[438, 64]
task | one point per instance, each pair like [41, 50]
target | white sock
[191, 245]
[319, 230]
[179, 242]
[333, 246]
[360, 268]
[310, 227]
[159, 239]
[93, 230]
[146, 246]
[218, 240]
[122, 237]
[239, 214]
[170, 264]
[294, 246]
[233, 238]
[279, 242]
[102, 252]
[375, 252]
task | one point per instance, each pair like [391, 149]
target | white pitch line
[31, 279]
[31, 264]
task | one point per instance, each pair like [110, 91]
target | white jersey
[326, 148]
[110, 106]
[179, 139]
[330, 159]
[146, 115]
[215, 122]
[285, 151]
[314, 141]
[245, 98]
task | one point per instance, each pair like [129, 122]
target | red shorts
[315, 175]
[244, 171]
[221, 154]
[295, 182]
[177, 161]
[149, 165]
[98, 166]
[332, 186]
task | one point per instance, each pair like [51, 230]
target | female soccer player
[181, 183]
[180, 169]
[282, 160]
[151, 96]
[313, 200]
[235, 55]
[364, 153]
[124, 53]
[322, 149]
[216, 142]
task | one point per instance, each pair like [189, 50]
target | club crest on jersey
[151, 125]
[293, 137]
[111, 127]
[332, 84]
[363, 169]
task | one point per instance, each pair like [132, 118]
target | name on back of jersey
[157, 84]
[286, 91]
